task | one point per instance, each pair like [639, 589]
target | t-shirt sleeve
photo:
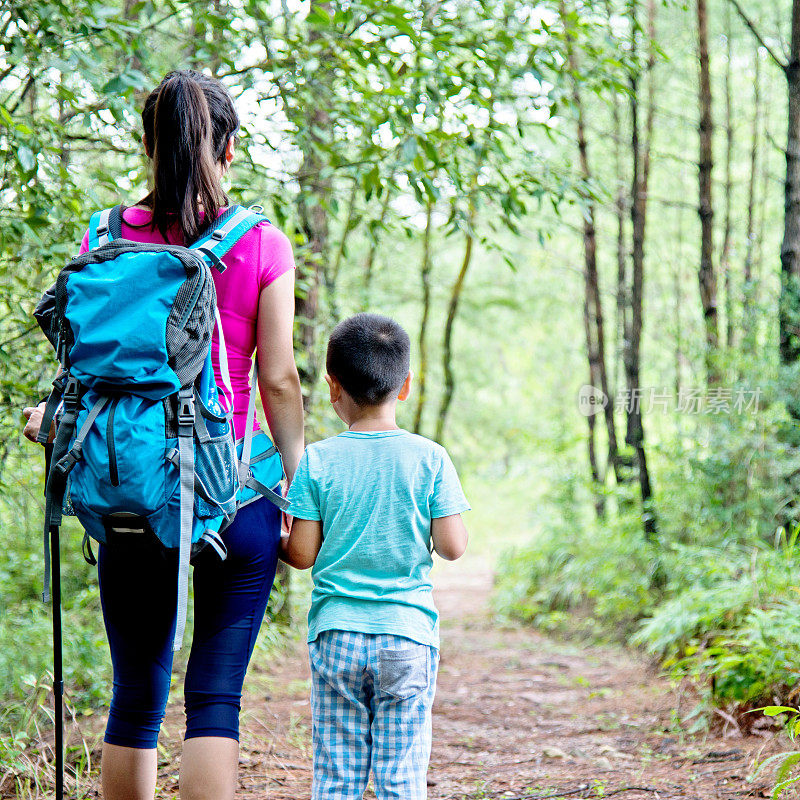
[275, 255]
[448, 496]
[85, 243]
[303, 497]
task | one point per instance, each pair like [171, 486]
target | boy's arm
[301, 548]
[449, 536]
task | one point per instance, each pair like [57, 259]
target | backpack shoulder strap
[226, 232]
[105, 226]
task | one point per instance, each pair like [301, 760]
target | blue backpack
[144, 444]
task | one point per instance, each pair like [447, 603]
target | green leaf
[774, 711]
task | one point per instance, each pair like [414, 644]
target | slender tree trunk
[425, 278]
[707, 276]
[132, 12]
[790, 248]
[678, 302]
[725, 253]
[751, 184]
[621, 207]
[369, 262]
[622, 321]
[218, 37]
[593, 308]
[639, 187]
[762, 193]
[313, 205]
[331, 275]
[447, 341]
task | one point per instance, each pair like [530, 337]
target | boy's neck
[374, 418]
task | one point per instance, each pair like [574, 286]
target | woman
[190, 127]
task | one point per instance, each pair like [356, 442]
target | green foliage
[605, 577]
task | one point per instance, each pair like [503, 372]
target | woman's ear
[230, 150]
[146, 146]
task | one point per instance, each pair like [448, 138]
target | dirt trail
[517, 715]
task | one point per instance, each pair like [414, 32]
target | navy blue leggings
[138, 589]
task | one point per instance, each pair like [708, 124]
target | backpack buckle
[64, 466]
[59, 381]
[186, 411]
[217, 234]
[72, 391]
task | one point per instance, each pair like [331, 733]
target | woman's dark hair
[369, 355]
[188, 120]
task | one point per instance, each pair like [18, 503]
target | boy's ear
[335, 388]
[405, 389]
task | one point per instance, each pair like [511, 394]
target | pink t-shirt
[256, 260]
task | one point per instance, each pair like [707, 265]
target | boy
[368, 505]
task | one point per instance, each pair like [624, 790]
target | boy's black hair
[370, 355]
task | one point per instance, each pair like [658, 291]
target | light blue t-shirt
[375, 493]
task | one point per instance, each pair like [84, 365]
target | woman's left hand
[34, 416]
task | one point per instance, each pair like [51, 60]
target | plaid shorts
[371, 699]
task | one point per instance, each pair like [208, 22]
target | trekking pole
[58, 674]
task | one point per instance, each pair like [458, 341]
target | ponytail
[188, 121]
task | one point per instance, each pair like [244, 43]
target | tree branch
[747, 21]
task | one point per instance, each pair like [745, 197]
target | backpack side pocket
[215, 467]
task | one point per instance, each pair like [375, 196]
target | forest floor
[517, 715]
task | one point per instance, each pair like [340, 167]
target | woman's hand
[286, 525]
[34, 415]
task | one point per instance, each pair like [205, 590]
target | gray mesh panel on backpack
[187, 347]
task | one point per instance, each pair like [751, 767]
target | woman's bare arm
[277, 374]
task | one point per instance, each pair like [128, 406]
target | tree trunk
[706, 275]
[678, 303]
[790, 248]
[593, 308]
[724, 260]
[313, 204]
[447, 342]
[762, 193]
[369, 263]
[621, 208]
[331, 275]
[751, 184]
[425, 278]
[640, 169]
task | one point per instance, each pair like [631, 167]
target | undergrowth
[26, 656]
[728, 617]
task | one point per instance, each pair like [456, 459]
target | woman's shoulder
[272, 250]
[272, 237]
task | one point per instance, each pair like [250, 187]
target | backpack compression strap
[105, 226]
[186, 414]
[225, 233]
